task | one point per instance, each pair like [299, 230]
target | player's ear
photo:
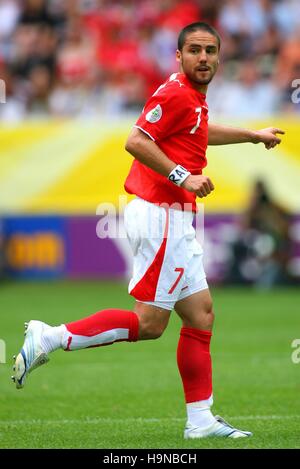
[178, 55]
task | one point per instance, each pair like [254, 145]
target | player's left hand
[268, 136]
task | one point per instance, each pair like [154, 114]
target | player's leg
[111, 325]
[153, 320]
[195, 367]
[102, 328]
[193, 353]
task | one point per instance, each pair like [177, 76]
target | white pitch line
[97, 421]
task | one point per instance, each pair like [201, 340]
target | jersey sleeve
[163, 114]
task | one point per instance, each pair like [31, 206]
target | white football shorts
[167, 258]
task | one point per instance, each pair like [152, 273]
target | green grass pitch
[130, 395]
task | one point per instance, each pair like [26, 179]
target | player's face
[199, 58]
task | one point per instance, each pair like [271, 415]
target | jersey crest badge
[154, 115]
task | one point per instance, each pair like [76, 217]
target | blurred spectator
[35, 12]
[248, 95]
[9, 14]
[40, 84]
[94, 49]
[286, 15]
[261, 253]
[288, 68]
[33, 45]
[14, 108]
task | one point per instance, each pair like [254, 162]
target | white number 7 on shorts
[181, 271]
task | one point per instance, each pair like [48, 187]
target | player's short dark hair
[191, 28]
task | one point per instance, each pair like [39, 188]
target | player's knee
[207, 313]
[210, 318]
[151, 330]
[203, 320]
[202, 317]
[156, 332]
[207, 306]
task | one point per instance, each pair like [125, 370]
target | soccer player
[168, 144]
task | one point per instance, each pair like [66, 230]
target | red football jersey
[176, 118]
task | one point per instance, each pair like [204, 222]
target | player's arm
[147, 152]
[224, 135]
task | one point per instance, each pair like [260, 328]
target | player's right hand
[199, 184]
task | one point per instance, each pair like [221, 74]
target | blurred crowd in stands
[103, 58]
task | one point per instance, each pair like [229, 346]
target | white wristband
[178, 175]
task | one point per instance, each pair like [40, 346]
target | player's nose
[203, 57]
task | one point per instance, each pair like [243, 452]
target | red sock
[102, 328]
[194, 363]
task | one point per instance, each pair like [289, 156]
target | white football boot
[219, 428]
[31, 354]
